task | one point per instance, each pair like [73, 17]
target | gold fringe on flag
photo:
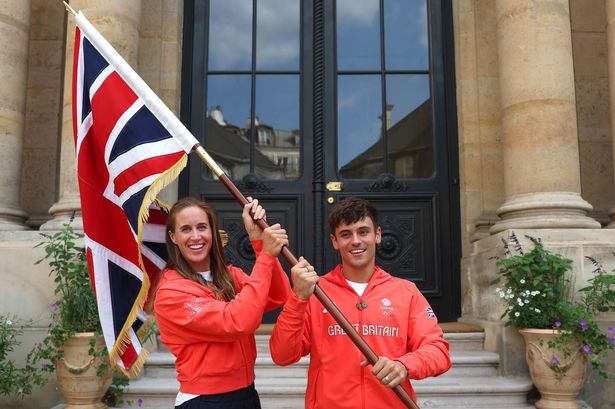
[123, 340]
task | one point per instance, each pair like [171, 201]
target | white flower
[527, 292]
[9, 322]
[526, 301]
[502, 294]
[497, 290]
[522, 281]
[537, 310]
[509, 291]
[517, 314]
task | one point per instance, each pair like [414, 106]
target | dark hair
[223, 284]
[351, 210]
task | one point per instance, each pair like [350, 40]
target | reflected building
[409, 147]
[276, 155]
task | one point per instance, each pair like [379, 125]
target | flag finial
[69, 8]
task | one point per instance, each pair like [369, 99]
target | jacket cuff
[257, 245]
[296, 304]
[265, 259]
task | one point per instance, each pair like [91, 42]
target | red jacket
[397, 323]
[213, 340]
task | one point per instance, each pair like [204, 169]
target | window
[252, 86]
[384, 110]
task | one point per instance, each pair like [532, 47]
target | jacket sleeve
[429, 351]
[290, 339]
[189, 318]
[280, 286]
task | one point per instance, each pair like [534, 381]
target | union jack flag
[128, 148]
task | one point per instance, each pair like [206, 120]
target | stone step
[472, 382]
[433, 393]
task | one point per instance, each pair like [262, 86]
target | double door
[303, 103]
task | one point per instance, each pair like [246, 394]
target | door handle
[335, 186]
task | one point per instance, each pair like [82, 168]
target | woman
[207, 311]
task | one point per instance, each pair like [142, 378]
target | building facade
[461, 120]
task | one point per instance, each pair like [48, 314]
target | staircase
[472, 382]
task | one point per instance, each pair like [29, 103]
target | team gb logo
[386, 308]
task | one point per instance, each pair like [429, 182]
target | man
[389, 313]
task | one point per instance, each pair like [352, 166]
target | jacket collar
[336, 277]
[172, 280]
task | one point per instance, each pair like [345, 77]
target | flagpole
[69, 8]
[290, 258]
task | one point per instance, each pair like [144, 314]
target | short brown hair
[351, 210]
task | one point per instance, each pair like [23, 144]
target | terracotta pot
[76, 373]
[558, 390]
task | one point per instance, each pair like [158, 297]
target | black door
[306, 102]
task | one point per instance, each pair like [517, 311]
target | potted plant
[559, 327]
[74, 346]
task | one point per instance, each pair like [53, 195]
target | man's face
[356, 243]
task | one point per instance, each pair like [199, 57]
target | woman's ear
[172, 237]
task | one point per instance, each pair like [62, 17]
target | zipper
[363, 369]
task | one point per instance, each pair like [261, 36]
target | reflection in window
[406, 35]
[277, 35]
[277, 108]
[409, 126]
[252, 119]
[358, 33]
[359, 125]
[230, 34]
[384, 99]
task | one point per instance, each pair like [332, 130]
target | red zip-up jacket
[395, 320]
[213, 340]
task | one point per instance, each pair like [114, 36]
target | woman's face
[193, 236]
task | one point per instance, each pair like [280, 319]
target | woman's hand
[304, 279]
[274, 238]
[253, 211]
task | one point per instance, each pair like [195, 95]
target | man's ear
[334, 241]
[378, 235]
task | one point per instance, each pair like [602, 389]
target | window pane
[409, 126]
[406, 35]
[359, 126]
[278, 139]
[277, 34]
[358, 34]
[228, 114]
[230, 35]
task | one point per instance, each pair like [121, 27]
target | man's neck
[358, 275]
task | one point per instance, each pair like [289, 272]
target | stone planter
[76, 373]
[557, 390]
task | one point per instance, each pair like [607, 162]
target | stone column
[610, 33]
[118, 22]
[540, 145]
[14, 35]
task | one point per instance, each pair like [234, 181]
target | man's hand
[389, 372]
[304, 279]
